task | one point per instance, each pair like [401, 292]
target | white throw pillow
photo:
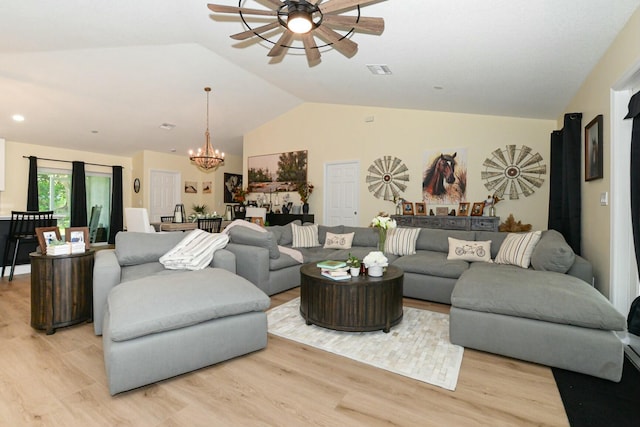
[466, 250]
[305, 236]
[338, 241]
[195, 251]
[401, 241]
[516, 249]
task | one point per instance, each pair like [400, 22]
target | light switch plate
[604, 199]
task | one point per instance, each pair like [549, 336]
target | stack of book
[335, 270]
[64, 249]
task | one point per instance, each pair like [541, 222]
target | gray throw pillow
[552, 253]
[246, 236]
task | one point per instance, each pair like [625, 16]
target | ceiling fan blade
[232, 9]
[250, 33]
[344, 46]
[371, 25]
[282, 44]
[275, 3]
[338, 5]
[311, 49]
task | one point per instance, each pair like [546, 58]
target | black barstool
[23, 229]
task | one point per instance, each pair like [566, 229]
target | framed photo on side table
[407, 208]
[442, 211]
[477, 209]
[463, 209]
[77, 234]
[421, 208]
[593, 149]
[45, 236]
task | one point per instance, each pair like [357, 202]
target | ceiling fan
[305, 20]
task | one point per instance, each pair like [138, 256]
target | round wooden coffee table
[361, 303]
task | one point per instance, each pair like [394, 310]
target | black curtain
[78, 196]
[565, 193]
[634, 113]
[32, 190]
[116, 205]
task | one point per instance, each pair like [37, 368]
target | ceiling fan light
[299, 22]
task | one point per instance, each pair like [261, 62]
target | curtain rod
[69, 161]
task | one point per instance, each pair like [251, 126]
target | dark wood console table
[358, 304]
[61, 290]
[284, 219]
[442, 222]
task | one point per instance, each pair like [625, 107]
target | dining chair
[138, 220]
[22, 229]
[94, 221]
[212, 225]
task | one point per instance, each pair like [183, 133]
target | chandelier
[206, 158]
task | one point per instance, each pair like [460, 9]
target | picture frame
[191, 187]
[45, 235]
[477, 209]
[593, 149]
[77, 234]
[232, 182]
[407, 208]
[442, 211]
[421, 208]
[463, 209]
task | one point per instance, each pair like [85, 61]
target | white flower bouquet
[384, 222]
[375, 259]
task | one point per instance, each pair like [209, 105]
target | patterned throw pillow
[305, 236]
[401, 241]
[516, 249]
[469, 250]
[338, 241]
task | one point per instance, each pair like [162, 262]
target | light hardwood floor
[59, 380]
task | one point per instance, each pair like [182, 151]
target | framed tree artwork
[593, 149]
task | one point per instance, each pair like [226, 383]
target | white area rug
[418, 347]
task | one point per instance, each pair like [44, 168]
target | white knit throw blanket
[296, 255]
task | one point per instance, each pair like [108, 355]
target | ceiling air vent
[167, 126]
[379, 69]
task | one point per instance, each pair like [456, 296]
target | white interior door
[164, 193]
[341, 193]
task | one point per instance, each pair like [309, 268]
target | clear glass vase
[382, 236]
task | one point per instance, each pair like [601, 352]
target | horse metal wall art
[444, 182]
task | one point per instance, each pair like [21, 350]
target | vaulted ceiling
[103, 76]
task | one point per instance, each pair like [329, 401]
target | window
[54, 193]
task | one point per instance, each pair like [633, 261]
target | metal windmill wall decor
[513, 171]
[386, 178]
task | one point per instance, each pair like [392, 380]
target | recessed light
[379, 69]
[167, 126]
[94, 131]
[18, 118]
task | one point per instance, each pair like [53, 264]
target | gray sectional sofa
[549, 313]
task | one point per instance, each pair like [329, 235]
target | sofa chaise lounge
[157, 323]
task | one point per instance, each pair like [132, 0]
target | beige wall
[337, 132]
[592, 99]
[138, 166]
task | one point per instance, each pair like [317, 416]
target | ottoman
[161, 326]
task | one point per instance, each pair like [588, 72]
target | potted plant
[199, 210]
[304, 190]
[354, 265]
[375, 262]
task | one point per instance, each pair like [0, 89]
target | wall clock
[136, 185]
[387, 177]
[513, 171]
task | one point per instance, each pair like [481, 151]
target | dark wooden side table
[361, 303]
[61, 290]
